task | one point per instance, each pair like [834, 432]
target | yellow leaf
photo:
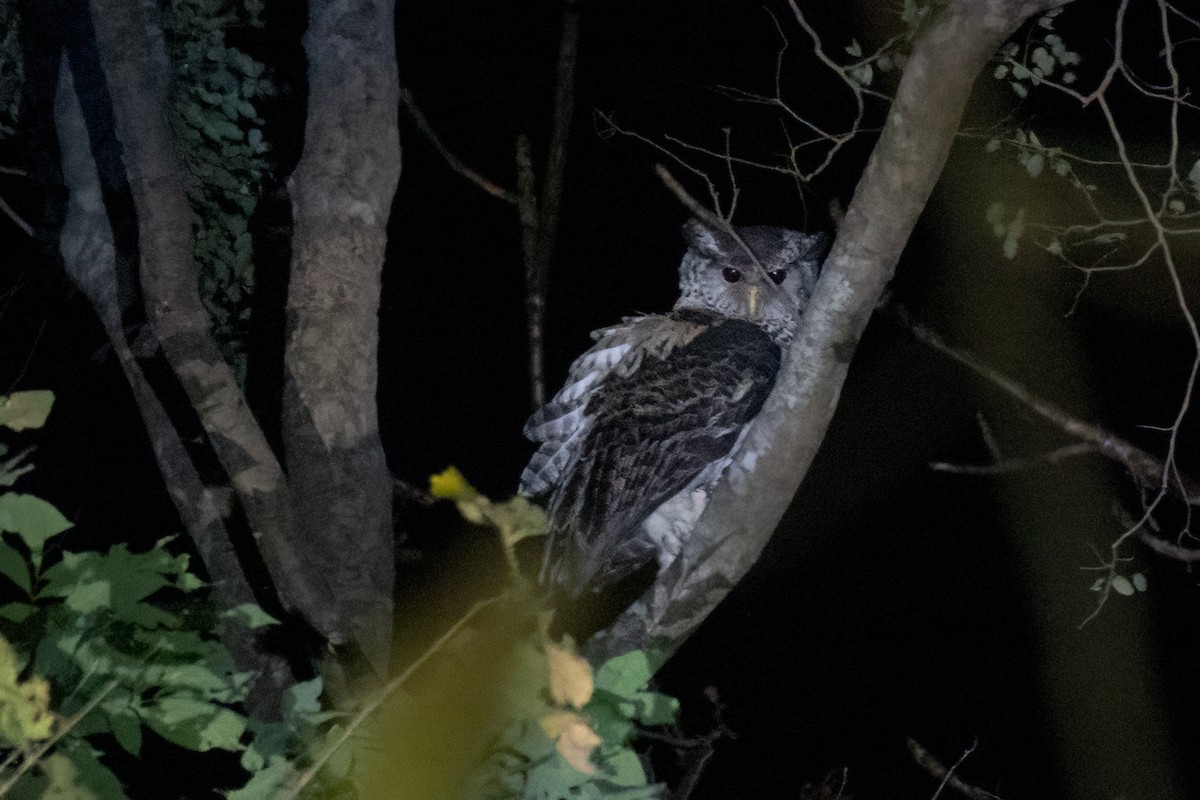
[21, 410]
[570, 676]
[451, 485]
[25, 714]
[573, 739]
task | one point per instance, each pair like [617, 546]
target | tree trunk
[324, 528]
[781, 443]
[88, 253]
[342, 194]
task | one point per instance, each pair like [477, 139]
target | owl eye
[732, 275]
[777, 275]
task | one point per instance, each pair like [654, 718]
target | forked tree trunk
[323, 528]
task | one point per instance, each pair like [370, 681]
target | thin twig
[456, 163]
[16, 218]
[1010, 465]
[1169, 549]
[930, 764]
[1148, 470]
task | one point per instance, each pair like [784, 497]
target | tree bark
[342, 193]
[781, 443]
[86, 244]
[134, 59]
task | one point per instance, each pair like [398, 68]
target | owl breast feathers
[655, 411]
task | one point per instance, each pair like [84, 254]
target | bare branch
[1149, 471]
[8, 210]
[1010, 465]
[1169, 549]
[930, 764]
[455, 163]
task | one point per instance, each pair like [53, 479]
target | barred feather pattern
[648, 416]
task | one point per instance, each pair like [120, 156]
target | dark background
[894, 601]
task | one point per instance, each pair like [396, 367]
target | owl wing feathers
[647, 413]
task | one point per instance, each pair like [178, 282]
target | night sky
[893, 601]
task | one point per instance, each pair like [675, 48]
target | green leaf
[98, 779]
[23, 410]
[608, 721]
[624, 768]
[196, 724]
[303, 699]
[251, 615]
[654, 708]
[269, 781]
[625, 675]
[14, 566]
[33, 519]
[127, 729]
[17, 612]
[224, 731]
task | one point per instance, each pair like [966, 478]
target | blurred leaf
[23, 410]
[1122, 586]
[25, 715]
[625, 675]
[451, 485]
[251, 615]
[573, 738]
[570, 675]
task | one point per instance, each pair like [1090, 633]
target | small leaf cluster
[1009, 225]
[1123, 586]
[1045, 59]
[220, 136]
[559, 750]
[570, 729]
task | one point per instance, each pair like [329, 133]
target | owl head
[718, 275]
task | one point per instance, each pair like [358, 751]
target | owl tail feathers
[583, 609]
[589, 587]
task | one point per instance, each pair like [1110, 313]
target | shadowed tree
[307, 529]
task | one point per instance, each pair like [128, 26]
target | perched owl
[652, 414]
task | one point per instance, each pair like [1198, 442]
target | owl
[654, 412]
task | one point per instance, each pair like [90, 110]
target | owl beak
[752, 299]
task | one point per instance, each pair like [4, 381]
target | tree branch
[752, 496]
[1149, 471]
[946, 775]
[455, 163]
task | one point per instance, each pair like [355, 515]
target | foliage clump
[96, 648]
[220, 135]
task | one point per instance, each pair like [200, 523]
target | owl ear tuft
[702, 238]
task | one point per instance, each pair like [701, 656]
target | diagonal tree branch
[1150, 472]
[780, 445]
